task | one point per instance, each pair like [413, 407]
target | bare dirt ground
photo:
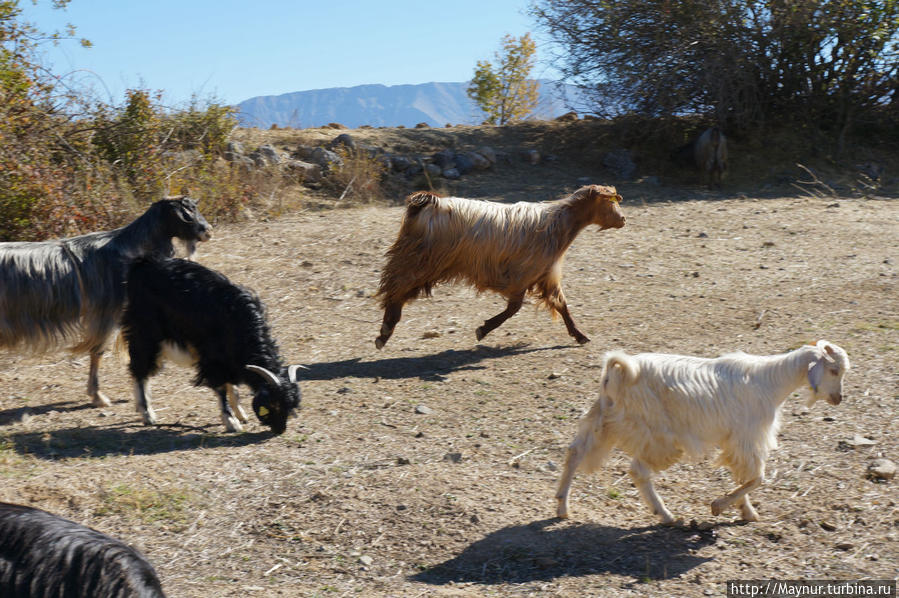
[428, 468]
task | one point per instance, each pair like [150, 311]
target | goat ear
[292, 372]
[815, 371]
[827, 350]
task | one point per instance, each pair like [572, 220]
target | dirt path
[428, 468]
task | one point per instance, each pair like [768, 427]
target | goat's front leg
[641, 475]
[98, 399]
[739, 496]
[493, 323]
[234, 402]
[142, 401]
[229, 419]
[392, 314]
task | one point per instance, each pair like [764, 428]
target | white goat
[656, 408]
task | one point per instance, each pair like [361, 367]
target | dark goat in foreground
[45, 556]
[707, 153]
[53, 293]
[511, 249]
[195, 316]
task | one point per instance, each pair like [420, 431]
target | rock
[423, 410]
[882, 470]
[422, 126]
[325, 158]
[431, 334]
[479, 161]
[567, 117]
[433, 170]
[845, 546]
[454, 457]
[268, 153]
[488, 153]
[402, 461]
[621, 163]
[311, 173]
[451, 173]
[554, 376]
[857, 441]
[444, 159]
[400, 163]
[234, 148]
[334, 126]
[828, 526]
[344, 139]
[303, 152]
[464, 164]
[366, 560]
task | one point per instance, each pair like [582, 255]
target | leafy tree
[504, 91]
[749, 62]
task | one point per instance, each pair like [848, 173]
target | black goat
[56, 292]
[45, 556]
[707, 154]
[196, 316]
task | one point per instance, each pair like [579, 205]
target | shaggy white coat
[659, 408]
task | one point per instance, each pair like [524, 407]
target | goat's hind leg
[739, 497]
[493, 323]
[392, 314]
[641, 475]
[98, 399]
[229, 419]
[559, 304]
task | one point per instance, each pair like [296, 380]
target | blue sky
[236, 50]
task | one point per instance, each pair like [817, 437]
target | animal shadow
[549, 549]
[429, 367]
[97, 442]
[10, 416]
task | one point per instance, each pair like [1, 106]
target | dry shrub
[360, 176]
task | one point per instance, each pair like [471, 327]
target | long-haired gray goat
[72, 290]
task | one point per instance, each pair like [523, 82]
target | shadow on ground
[549, 549]
[130, 439]
[429, 367]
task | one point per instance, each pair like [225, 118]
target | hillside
[436, 104]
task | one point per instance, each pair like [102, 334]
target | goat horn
[270, 377]
[292, 372]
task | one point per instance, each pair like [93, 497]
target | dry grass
[365, 496]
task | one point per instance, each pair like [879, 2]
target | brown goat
[507, 248]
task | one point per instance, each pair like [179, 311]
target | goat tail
[620, 371]
[418, 201]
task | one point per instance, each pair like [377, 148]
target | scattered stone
[845, 546]
[474, 519]
[488, 153]
[464, 164]
[311, 173]
[402, 461]
[433, 169]
[702, 236]
[423, 410]
[551, 466]
[451, 173]
[828, 526]
[856, 442]
[325, 158]
[366, 560]
[454, 457]
[431, 334]
[882, 470]
[444, 159]
[567, 117]
[422, 126]
[554, 376]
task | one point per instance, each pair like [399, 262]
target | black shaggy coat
[222, 324]
[45, 556]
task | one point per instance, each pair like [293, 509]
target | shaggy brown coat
[510, 249]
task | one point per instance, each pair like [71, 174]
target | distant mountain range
[436, 104]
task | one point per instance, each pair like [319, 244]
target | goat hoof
[231, 424]
[583, 340]
[479, 332]
[716, 507]
[101, 400]
[379, 343]
[562, 511]
[149, 418]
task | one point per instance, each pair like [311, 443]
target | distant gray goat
[53, 293]
[707, 154]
